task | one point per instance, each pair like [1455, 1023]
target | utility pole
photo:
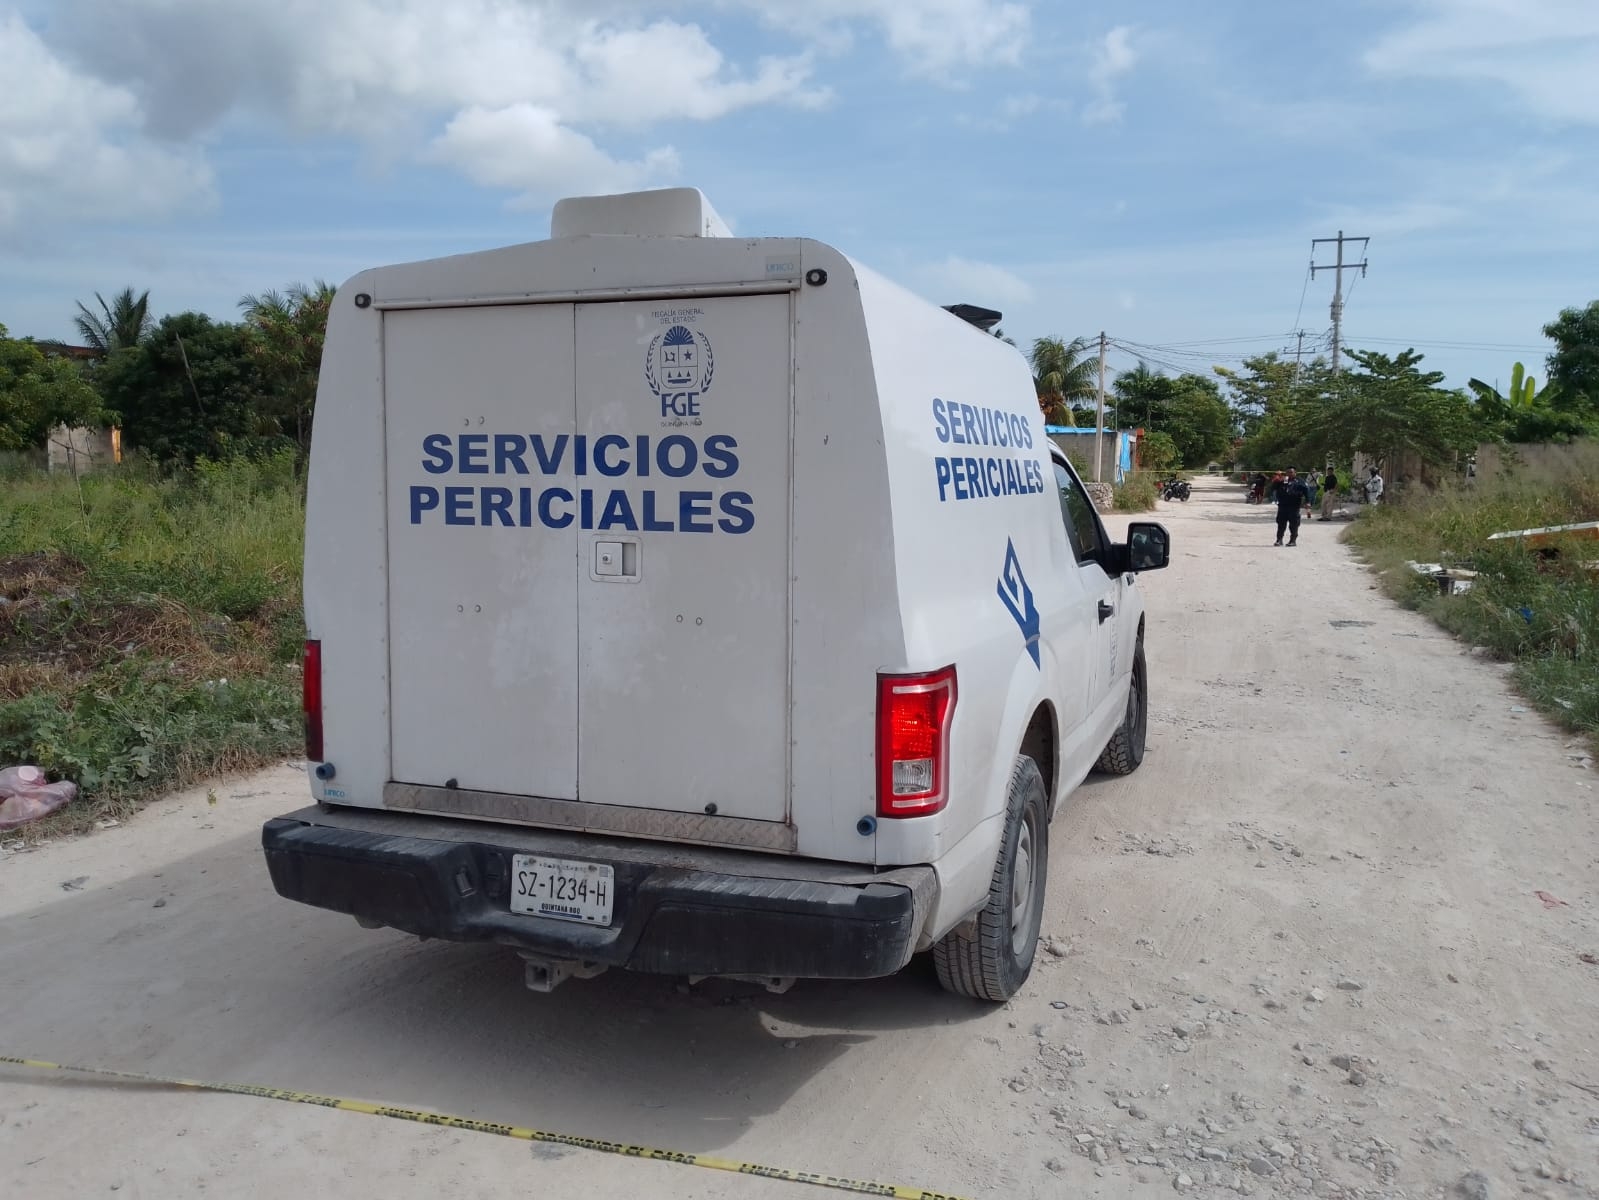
[1299, 352]
[1338, 268]
[1099, 417]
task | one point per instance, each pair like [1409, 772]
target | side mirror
[1148, 546]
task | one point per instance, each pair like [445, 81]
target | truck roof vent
[665, 212]
[984, 318]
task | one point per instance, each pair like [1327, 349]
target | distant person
[1292, 496]
[1374, 487]
[1329, 494]
[1310, 488]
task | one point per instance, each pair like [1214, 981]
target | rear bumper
[677, 910]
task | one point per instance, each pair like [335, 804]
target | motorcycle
[1175, 489]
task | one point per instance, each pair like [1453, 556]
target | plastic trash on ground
[26, 796]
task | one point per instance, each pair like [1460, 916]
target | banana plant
[1527, 414]
[1524, 393]
[1523, 388]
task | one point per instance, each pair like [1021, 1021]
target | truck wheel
[991, 959]
[1125, 750]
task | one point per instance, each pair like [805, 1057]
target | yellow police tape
[511, 1131]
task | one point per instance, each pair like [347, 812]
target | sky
[1153, 169]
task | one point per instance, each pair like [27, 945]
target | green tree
[1142, 396]
[1199, 421]
[1064, 375]
[1385, 404]
[39, 392]
[1188, 408]
[1526, 414]
[1157, 452]
[1265, 383]
[192, 389]
[118, 325]
[1574, 364]
[287, 331]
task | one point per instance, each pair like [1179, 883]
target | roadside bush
[1137, 494]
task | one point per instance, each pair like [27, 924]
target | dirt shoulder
[1303, 951]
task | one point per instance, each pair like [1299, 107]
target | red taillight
[913, 719]
[311, 681]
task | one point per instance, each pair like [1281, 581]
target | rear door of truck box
[589, 551]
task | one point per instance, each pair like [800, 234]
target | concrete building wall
[1541, 462]
[79, 450]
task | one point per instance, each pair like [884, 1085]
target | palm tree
[288, 329]
[117, 325]
[1136, 391]
[1063, 373]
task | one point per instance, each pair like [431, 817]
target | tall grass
[1136, 494]
[1542, 615]
[224, 537]
[150, 626]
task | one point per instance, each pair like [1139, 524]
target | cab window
[1082, 525]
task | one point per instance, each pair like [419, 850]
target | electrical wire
[1155, 360]
[1448, 345]
[1300, 311]
[1190, 360]
[1178, 350]
[1258, 337]
[1352, 285]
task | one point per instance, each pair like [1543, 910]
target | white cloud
[667, 71]
[540, 78]
[933, 37]
[70, 145]
[1397, 219]
[525, 148]
[959, 280]
[1021, 106]
[111, 101]
[1114, 56]
[1542, 51]
[1011, 110]
[359, 64]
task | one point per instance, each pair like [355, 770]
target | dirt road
[1302, 951]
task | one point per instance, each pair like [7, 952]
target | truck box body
[612, 536]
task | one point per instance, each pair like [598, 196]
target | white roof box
[665, 212]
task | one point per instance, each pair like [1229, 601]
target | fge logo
[678, 367]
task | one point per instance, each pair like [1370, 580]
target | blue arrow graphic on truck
[1018, 598]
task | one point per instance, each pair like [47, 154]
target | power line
[1257, 337]
[1178, 350]
[1300, 311]
[1447, 345]
[1143, 355]
[1193, 358]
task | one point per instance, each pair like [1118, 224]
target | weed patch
[149, 628]
[1137, 494]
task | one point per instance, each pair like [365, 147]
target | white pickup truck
[700, 605]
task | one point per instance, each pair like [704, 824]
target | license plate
[563, 889]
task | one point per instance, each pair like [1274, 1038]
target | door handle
[1106, 612]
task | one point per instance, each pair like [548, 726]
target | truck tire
[1125, 750]
[989, 957]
